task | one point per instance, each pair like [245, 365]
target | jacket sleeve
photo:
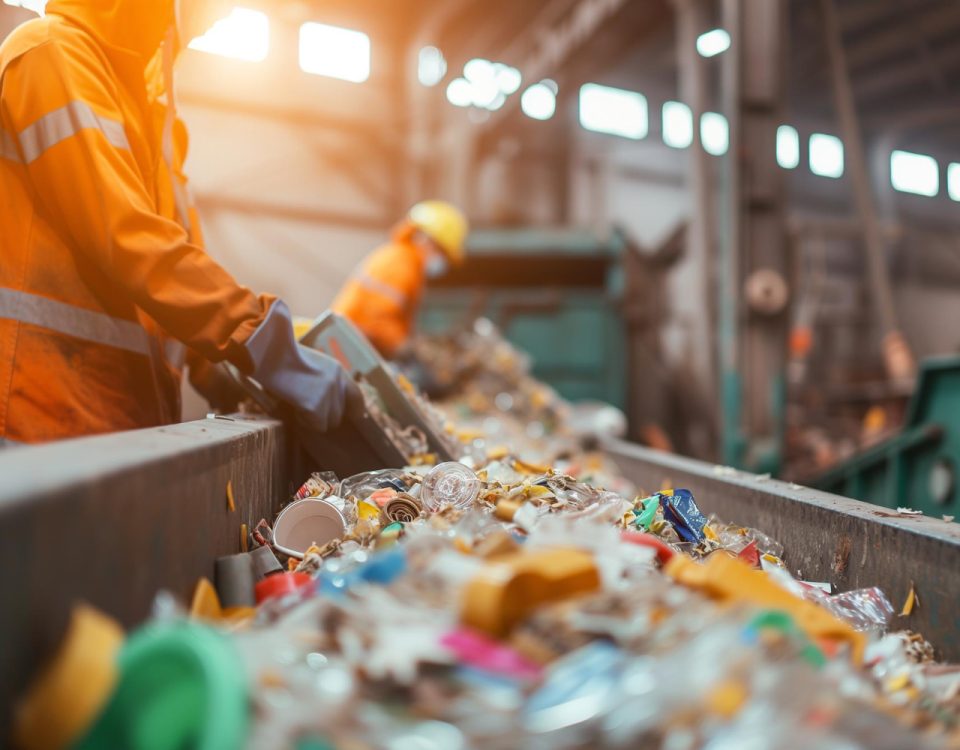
[61, 104]
[390, 292]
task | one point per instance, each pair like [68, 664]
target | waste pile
[525, 596]
[507, 606]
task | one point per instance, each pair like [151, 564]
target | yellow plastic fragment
[525, 467]
[405, 385]
[423, 459]
[731, 581]
[244, 542]
[498, 452]
[301, 326]
[726, 699]
[367, 510]
[68, 696]
[897, 683]
[911, 602]
[506, 509]
[231, 503]
[511, 587]
[463, 546]
[709, 533]
[205, 604]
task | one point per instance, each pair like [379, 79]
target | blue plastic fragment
[680, 509]
[381, 569]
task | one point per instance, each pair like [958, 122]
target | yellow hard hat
[443, 223]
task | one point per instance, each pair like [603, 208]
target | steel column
[754, 259]
[897, 355]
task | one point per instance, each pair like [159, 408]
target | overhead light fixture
[334, 52]
[604, 109]
[479, 70]
[953, 181]
[677, 125]
[508, 78]
[460, 92]
[826, 155]
[243, 35]
[788, 147]
[914, 173]
[431, 66]
[713, 42]
[714, 133]
[539, 101]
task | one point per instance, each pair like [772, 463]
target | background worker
[100, 261]
[383, 295]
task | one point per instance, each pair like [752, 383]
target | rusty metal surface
[113, 519]
[849, 543]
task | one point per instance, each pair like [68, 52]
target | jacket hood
[135, 26]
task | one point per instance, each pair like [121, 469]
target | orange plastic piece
[68, 696]
[510, 588]
[205, 604]
[506, 509]
[727, 698]
[732, 581]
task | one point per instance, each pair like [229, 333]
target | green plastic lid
[181, 687]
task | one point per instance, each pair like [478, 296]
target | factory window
[243, 35]
[36, 6]
[508, 79]
[914, 173]
[826, 155]
[953, 181]
[788, 147]
[490, 84]
[460, 92]
[608, 110]
[540, 100]
[714, 133]
[713, 42]
[677, 125]
[431, 66]
[334, 52]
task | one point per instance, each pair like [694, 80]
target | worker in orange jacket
[99, 257]
[383, 295]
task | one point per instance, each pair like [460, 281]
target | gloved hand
[316, 385]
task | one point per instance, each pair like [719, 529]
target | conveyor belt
[113, 519]
[826, 537]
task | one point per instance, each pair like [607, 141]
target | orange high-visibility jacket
[383, 295]
[94, 265]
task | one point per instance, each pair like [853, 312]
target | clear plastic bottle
[449, 483]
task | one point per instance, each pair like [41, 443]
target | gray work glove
[315, 385]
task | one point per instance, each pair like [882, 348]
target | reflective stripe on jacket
[382, 297]
[95, 270]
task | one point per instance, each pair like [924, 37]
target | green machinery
[916, 468]
[555, 294]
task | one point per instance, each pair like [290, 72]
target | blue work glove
[316, 385]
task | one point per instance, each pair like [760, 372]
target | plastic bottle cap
[281, 585]
[181, 685]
